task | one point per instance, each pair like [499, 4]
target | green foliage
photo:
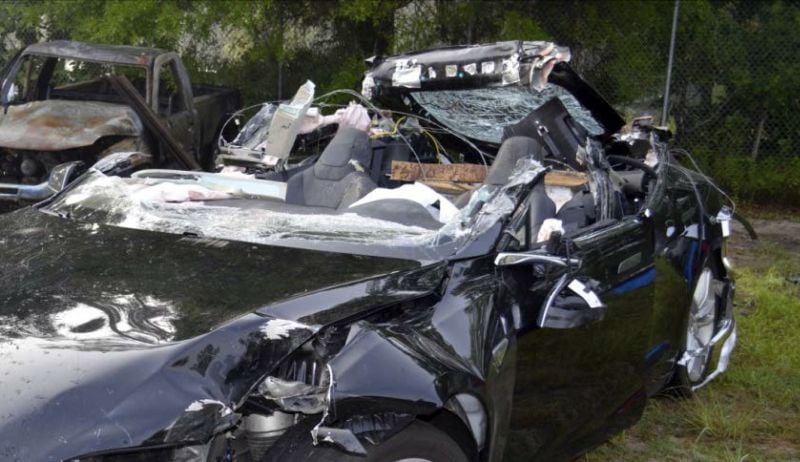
[736, 66]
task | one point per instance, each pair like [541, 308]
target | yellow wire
[435, 145]
[394, 129]
[397, 124]
[438, 147]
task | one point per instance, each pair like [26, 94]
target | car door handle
[522, 258]
[554, 315]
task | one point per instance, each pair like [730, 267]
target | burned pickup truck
[68, 101]
[478, 245]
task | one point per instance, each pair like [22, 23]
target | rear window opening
[483, 113]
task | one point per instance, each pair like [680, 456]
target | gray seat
[511, 151]
[335, 181]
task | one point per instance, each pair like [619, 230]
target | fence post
[664, 111]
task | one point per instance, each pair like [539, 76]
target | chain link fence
[735, 93]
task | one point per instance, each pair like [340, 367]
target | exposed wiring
[369, 104]
[378, 112]
[699, 171]
[435, 145]
[389, 133]
[222, 142]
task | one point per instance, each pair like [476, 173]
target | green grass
[752, 413]
[764, 181]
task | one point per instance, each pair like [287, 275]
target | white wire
[369, 104]
[699, 171]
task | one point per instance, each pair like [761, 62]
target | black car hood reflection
[112, 338]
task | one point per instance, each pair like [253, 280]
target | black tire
[419, 441]
[684, 378]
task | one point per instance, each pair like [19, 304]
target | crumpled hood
[57, 125]
[114, 338]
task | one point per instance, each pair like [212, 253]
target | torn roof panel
[119, 54]
[496, 64]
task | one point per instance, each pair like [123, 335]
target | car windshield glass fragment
[483, 113]
[208, 211]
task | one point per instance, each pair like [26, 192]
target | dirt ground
[776, 235]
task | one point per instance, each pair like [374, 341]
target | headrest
[348, 144]
[512, 150]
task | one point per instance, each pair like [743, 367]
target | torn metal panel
[103, 411]
[118, 202]
[502, 63]
[189, 381]
[57, 125]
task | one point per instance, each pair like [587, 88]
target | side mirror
[62, 174]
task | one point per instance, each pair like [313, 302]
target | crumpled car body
[62, 125]
[251, 328]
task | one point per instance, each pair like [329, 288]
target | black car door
[582, 331]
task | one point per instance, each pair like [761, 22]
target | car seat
[511, 151]
[337, 179]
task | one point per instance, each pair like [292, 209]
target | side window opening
[24, 86]
[170, 97]
[43, 78]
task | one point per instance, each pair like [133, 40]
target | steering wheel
[635, 163]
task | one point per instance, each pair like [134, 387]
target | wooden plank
[460, 173]
[563, 178]
[450, 177]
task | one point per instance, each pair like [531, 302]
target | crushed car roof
[120, 54]
[528, 64]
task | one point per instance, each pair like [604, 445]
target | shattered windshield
[483, 113]
[227, 214]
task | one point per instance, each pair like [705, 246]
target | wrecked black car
[489, 248]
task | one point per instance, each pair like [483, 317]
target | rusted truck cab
[60, 104]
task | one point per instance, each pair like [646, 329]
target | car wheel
[419, 442]
[702, 320]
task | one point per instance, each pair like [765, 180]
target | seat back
[336, 179]
[511, 151]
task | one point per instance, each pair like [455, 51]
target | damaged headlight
[303, 382]
[303, 392]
